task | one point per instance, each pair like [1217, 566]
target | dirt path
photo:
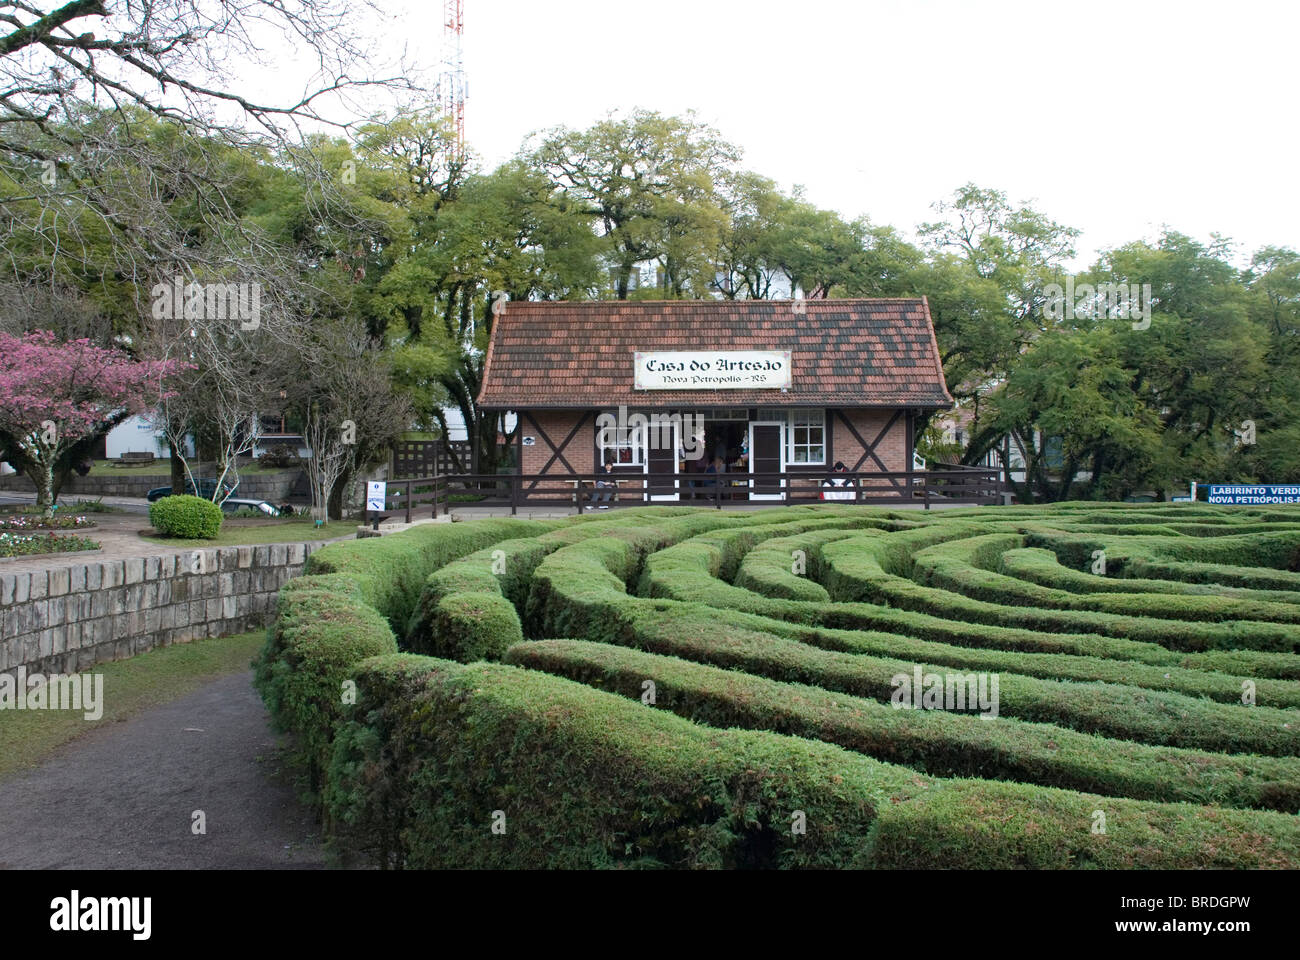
[124, 797]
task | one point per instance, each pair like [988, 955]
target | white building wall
[135, 435]
[456, 429]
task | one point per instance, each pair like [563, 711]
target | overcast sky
[1113, 117]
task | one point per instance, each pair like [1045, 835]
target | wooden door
[766, 455]
[661, 466]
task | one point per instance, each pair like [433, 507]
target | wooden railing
[956, 485]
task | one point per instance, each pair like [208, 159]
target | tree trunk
[340, 487]
[177, 468]
[43, 477]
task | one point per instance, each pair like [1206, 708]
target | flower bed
[26, 545]
[23, 522]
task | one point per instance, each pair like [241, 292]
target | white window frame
[633, 438]
[819, 423]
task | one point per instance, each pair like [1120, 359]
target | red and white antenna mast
[454, 87]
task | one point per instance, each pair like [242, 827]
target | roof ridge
[710, 302]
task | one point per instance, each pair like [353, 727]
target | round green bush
[474, 626]
[191, 518]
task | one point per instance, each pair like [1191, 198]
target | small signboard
[1253, 494]
[1180, 499]
[376, 494]
[712, 370]
[528, 441]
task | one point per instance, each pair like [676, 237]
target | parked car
[207, 485]
[235, 504]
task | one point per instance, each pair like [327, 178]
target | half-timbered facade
[667, 391]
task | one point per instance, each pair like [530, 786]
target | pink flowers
[76, 385]
[54, 394]
[22, 521]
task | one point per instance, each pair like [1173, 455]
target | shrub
[185, 516]
[472, 626]
[281, 456]
[940, 743]
[644, 788]
[322, 631]
[1144, 713]
[391, 570]
[1113, 710]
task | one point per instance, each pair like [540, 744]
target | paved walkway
[117, 532]
[123, 796]
[119, 535]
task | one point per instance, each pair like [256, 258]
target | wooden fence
[966, 486]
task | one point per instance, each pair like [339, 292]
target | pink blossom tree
[54, 395]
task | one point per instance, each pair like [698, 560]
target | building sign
[1253, 494]
[711, 370]
[376, 494]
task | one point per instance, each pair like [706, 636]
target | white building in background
[135, 435]
[456, 429]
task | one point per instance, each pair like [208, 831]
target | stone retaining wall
[67, 619]
[275, 487]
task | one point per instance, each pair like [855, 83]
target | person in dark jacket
[605, 486]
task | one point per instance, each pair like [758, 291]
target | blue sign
[1253, 494]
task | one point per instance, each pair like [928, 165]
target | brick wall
[66, 619]
[892, 449]
[557, 424]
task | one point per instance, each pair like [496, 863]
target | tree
[648, 183]
[54, 395]
[86, 86]
[351, 413]
[229, 354]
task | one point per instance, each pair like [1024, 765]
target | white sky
[1113, 117]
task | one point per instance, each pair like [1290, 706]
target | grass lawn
[240, 532]
[130, 686]
[162, 468]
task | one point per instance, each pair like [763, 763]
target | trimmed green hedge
[1124, 712]
[322, 630]
[185, 516]
[583, 779]
[391, 570]
[644, 788]
[416, 770]
[854, 574]
[688, 573]
[944, 744]
[1039, 566]
[471, 626]
[963, 567]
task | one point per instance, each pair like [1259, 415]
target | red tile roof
[846, 353]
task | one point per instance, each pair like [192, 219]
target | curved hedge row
[964, 567]
[1179, 725]
[941, 743]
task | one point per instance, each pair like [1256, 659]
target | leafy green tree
[649, 184]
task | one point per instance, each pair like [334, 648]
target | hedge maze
[1071, 686]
